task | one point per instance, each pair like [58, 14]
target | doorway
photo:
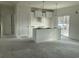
[63, 23]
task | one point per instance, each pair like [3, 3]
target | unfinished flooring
[29, 49]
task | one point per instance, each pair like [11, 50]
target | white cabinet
[38, 13]
[48, 14]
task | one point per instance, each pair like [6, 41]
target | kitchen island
[46, 34]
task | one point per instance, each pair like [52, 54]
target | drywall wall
[22, 18]
[74, 20]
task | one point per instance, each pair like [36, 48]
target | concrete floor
[30, 49]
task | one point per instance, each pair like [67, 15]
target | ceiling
[47, 4]
[52, 4]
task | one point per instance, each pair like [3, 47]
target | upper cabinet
[49, 14]
[42, 13]
[41, 17]
[38, 13]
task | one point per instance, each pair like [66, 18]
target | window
[63, 23]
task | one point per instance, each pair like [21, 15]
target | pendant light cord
[43, 3]
[43, 9]
[56, 9]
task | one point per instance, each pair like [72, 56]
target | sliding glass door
[63, 23]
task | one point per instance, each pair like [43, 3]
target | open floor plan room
[39, 29]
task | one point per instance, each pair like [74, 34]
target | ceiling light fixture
[43, 9]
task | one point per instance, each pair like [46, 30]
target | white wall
[22, 18]
[74, 20]
[53, 21]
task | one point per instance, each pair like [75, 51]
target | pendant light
[43, 9]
